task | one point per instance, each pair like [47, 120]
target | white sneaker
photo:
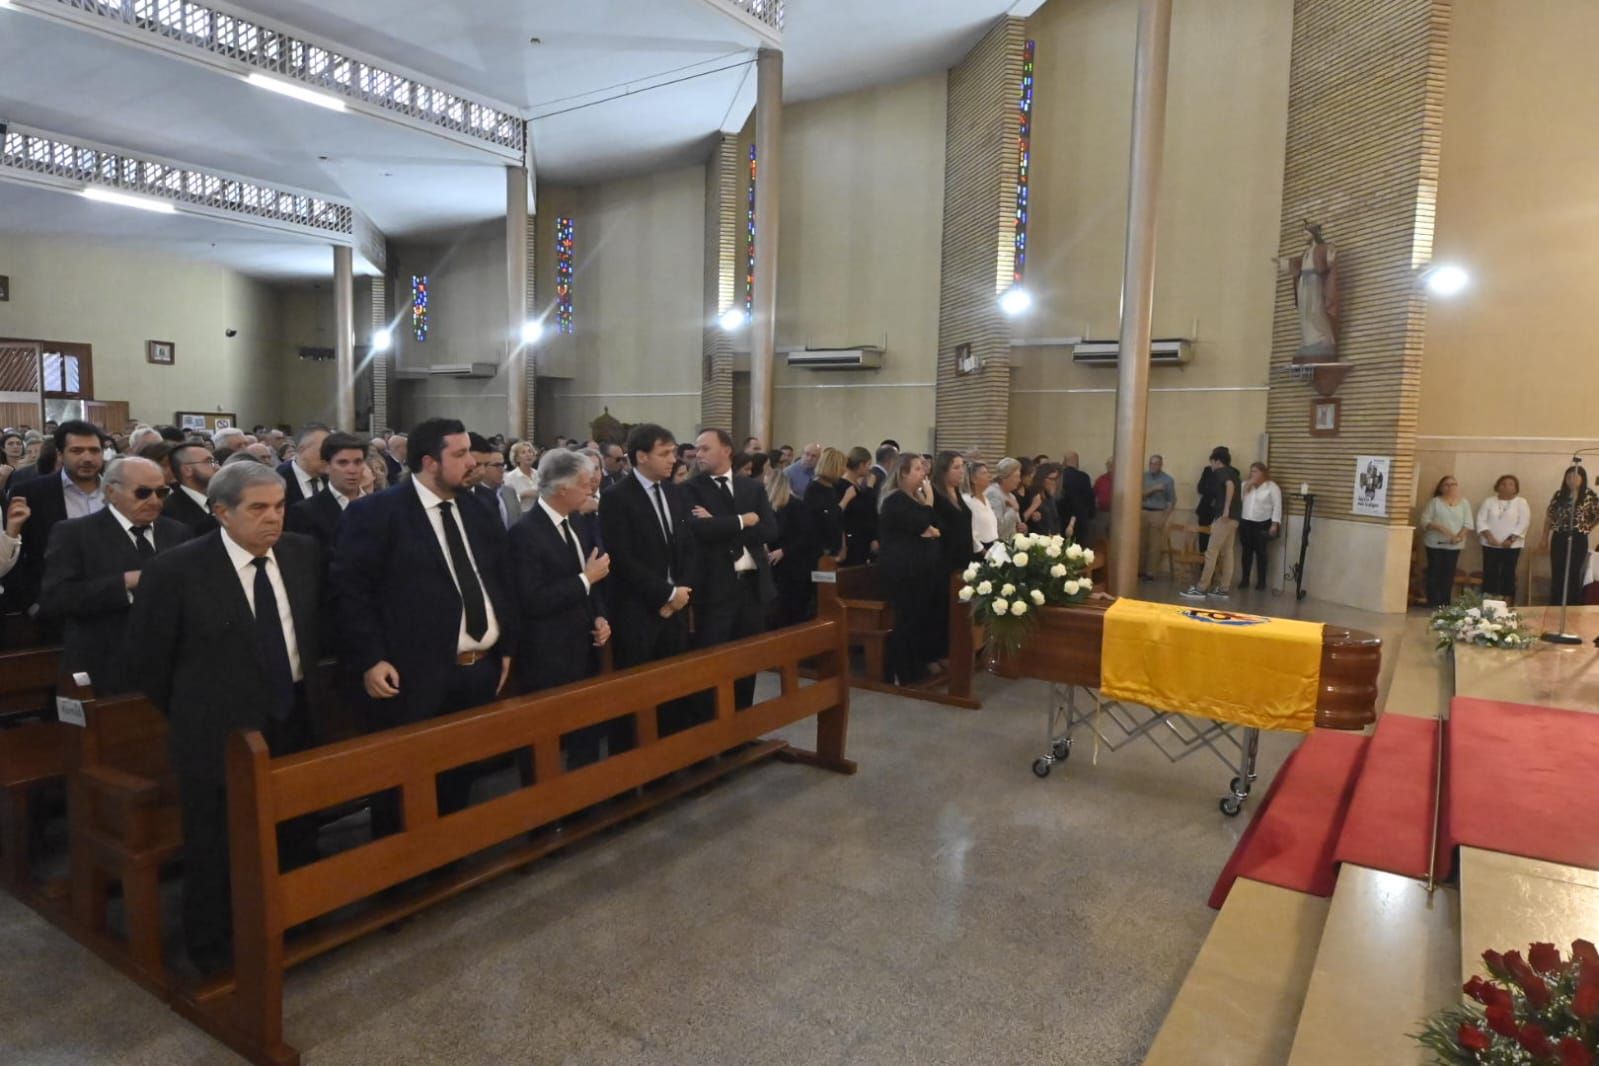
[1192, 592]
[1221, 594]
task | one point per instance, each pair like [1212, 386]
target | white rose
[1037, 597]
[998, 555]
[1053, 551]
[1021, 542]
[984, 588]
[1019, 608]
[1072, 588]
[970, 574]
[1007, 589]
[1058, 570]
[999, 607]
[1075, 551]
[965, 593]
[1088, 557]
[1020, 558]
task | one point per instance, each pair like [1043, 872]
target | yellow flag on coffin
[1240, 668]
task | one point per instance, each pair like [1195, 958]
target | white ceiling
[592, 52]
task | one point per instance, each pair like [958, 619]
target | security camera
[230, 333]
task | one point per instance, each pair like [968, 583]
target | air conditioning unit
[463, 370]
[867, 357]
[1161, 353]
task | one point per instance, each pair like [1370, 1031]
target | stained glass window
[419, 306]
[1024, 106]
[749, 243]
[563, 274]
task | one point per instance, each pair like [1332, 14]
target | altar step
[1388, 957]
[1241, 1000]
[1508, 902]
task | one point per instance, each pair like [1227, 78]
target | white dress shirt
[664, 511]
[526, 486]
[430, 506]
[307, 483]
[244, 567]
[555, 517]
[1263, 503]
[985, 524]
[1504, 519]
[81, 504]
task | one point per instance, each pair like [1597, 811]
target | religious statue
[1315, 276]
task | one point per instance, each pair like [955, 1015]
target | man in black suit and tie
[306, 474]
[490, 487]
[558, 571]
[224, 636]
[646, 532]
[74, 491]
[193, 466]
[427, 609]
[614, 462]
[731, 519]
[343, 458]
[93, 566]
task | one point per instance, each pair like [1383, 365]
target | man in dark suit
[652, 561]
[491, 488]
[73, 492]
[884, 462]
[558, 571]
[395, 460]
[731, 519]
[1076, 500]
[614, 462]
[224, 638]
[343, 458]
[306, 474]
[193, 466]
[93, 566]
[427, 614]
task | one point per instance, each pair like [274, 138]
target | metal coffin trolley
[1066, 647]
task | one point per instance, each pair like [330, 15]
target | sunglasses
[144, 492]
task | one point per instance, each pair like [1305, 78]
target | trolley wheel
[1041, 767]
[1063, 748]
[1231, 805]
[1237, 787]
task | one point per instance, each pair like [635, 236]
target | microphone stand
[1564, 636]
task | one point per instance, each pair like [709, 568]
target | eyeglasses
[144, 492]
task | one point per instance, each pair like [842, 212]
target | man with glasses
[92, 569]
[490, 486]
[193, 466]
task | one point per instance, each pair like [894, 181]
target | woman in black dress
[912, 565]
[954, 520]
[821, 499]
[1040, 511]
[858, 498]
[786, 553]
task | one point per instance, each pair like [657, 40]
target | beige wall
[1221, 192]
[862, 211]
[116, 299]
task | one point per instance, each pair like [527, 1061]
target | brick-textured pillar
[724, 250]
[980, 157]
[380, 360]
[1364, 125]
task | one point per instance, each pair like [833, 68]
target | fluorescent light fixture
[733, 318]
[298, 92]
[123, 199]
[382, 340]
[1015, 300]
[532, 330]
[1446, 280]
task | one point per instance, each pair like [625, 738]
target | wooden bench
[246, 1010]
[32, 753]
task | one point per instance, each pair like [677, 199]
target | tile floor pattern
[942, 906]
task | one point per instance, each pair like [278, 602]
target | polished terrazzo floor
[942, 906]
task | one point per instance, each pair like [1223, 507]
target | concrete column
[516, 300]
[344, 336]
[1138, 290]
[768, 162]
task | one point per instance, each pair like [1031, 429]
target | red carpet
[1291, 839]
[1522, 780]
[1389, 824]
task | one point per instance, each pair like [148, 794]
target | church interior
[1187, 338]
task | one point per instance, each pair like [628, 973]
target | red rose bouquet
[1541, 1010]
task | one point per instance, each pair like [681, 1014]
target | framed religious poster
[1324, 412]
[1371, 485]
[163, 353]
[209, 421]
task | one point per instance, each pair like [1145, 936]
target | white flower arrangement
[1484, 623]
[1014, 579]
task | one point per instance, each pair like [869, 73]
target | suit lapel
[225, 583]
[411, 503]
[108, 532]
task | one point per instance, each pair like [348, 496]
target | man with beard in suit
[74, 492]
[93, 567]
[193, 466]
[224, 638]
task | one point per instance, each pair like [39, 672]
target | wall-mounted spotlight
[733, 318]
[532, 330]
[1445, 279]
[1015, 300]
[382, 340]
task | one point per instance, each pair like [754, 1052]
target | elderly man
[306, 474]
[1076, 499]
[224, 442]
[141, 436]
[193, 466]
[800, 473]
[225, 636]
[75, 493]
[1159, 497]
[613, 465]
[93, 567]
[558, 569]
[395, 460]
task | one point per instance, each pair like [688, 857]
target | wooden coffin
[1066, 644]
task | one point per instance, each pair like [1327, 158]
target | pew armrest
[119, 785]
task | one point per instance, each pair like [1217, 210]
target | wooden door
[20, 398]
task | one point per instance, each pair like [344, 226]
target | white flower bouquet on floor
[1016, 578]
[1484, 623]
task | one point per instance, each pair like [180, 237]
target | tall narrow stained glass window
[749, 243]
[563, 273]
[1024, 106]
[419, 306]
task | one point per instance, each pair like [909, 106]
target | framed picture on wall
[1324, 416]
[210, 421]
[163, 353]
[191, 422]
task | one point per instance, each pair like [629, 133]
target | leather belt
[470, 658]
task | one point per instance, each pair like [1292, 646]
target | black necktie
[269, 639]
[660, 510]
[141, 542]
[571, 544]
[477, 616]
[727, 488]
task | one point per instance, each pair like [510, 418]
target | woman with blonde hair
[523, 477]
[379, 471]
[821, 499]
[789, 573]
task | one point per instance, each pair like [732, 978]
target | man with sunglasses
[192, 466]
[92, 568]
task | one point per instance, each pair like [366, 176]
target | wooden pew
[869, 619]
[31, 754]
[246, 1011]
